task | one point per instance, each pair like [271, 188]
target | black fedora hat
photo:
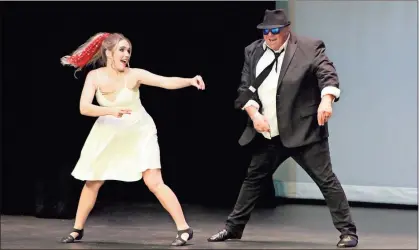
[274, 19]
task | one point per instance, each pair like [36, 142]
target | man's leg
[264, 162]
[315, 160]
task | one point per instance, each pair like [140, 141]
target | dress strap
[125, 81]
[97, 78]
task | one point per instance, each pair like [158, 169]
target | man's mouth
[272, 39]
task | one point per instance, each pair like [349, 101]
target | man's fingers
[266, 127]
[323, 117]
[262, 128]
[320, 118]
[327, 116]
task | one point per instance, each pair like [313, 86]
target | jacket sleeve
[325, 72]
[245, 82]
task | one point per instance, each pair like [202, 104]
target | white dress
[120, 148]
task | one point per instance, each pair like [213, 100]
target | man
[288, 109]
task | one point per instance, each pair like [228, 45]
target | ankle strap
[77, 230]
[185, 230]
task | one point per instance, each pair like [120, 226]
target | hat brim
[272, 26]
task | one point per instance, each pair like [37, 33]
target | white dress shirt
[267, 90]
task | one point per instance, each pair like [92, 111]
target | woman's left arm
[145, 77]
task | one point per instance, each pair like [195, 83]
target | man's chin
[274, 46]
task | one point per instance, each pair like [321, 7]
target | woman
[122, 144]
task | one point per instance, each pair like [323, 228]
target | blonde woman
[122, 145]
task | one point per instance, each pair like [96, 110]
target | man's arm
[253, 105]
[326, 74]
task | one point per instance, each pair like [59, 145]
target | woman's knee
[94, 185]
[153, 179]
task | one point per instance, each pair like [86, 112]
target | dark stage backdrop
[43, 131]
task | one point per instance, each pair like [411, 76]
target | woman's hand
[198, 82]
[119, 112]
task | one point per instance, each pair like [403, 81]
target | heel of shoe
[71, 239]
[180, 241]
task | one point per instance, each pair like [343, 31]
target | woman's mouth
[124, 62]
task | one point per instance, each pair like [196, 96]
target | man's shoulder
[307, 41]
[254, 45]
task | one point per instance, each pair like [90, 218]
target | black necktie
[246, 95]
[276, 54]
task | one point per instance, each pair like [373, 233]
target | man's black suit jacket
[305, 71]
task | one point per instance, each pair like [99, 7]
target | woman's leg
[86, 203]
[154, 181]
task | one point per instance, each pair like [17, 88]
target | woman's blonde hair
[93, 51]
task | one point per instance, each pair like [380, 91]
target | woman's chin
[121, 69]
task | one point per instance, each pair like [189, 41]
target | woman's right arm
[86, 99]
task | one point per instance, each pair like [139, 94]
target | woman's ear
[108, 54]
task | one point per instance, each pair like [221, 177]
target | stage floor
[148, 226]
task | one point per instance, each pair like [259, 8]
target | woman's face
[121, 55]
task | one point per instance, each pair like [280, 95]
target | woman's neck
[113, 72]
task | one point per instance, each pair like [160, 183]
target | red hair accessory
[86, 52]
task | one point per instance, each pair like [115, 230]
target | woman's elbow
[83, 109]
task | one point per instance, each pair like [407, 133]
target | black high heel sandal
[71, 239]
[179, 241]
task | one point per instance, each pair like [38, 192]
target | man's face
[275, 37]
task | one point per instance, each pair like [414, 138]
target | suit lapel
[256, 57]
[289, 54]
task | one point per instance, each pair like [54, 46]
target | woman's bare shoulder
[135, 75]
[97, 70]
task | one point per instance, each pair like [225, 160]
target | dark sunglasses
[274, 31]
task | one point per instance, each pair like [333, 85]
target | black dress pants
[314, 159]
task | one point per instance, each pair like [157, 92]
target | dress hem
[112, 179]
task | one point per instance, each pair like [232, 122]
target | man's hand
[260, 123]
[324, 112]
